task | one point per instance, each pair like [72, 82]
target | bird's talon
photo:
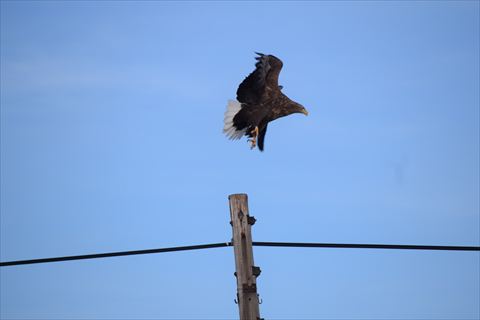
[253, 140]
[254, 132]
[253, 143]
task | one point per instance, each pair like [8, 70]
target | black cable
[115, 254]
[363, 246]
[254, 243]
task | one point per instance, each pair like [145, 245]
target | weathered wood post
[246, 272]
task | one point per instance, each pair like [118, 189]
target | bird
[260, 100]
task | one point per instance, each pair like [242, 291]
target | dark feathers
[260, 101]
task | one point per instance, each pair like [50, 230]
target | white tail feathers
[233, 107]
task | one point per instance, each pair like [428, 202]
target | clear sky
[111, 140]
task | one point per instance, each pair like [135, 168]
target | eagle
[259, 101]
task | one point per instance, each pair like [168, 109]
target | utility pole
[246, 272]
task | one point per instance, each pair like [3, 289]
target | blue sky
[111, 140]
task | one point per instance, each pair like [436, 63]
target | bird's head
[298, 108]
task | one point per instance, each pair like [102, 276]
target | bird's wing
[272, 76]
[262, 81]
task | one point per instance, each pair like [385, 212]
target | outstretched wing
[262, 82]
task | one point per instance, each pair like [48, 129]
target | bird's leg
[253, 141]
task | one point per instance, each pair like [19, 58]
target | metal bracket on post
[256, 271]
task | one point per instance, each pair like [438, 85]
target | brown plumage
[259, 101]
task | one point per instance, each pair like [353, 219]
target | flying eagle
[259, 101]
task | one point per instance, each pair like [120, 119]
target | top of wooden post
[238, 195]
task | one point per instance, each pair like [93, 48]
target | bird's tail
[232, 132]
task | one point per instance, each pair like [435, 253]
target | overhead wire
[364, 246]
[114, 254]
[254, 243]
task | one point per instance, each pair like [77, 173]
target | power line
[363, 246]
[115, 254]
[254, 243]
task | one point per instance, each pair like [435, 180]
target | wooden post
[246, 272]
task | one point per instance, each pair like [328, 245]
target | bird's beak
[305, 112]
